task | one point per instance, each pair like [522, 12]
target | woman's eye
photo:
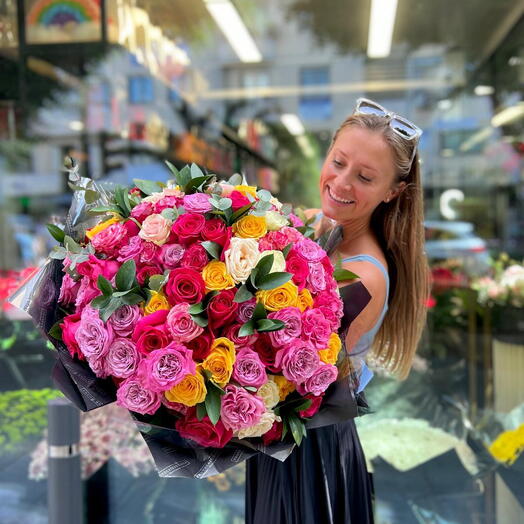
[364, 179]
[337, 163]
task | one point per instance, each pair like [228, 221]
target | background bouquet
[204, 309]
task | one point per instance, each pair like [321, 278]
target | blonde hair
[399, 228]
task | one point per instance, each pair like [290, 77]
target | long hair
[399, 228]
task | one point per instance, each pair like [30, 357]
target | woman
[370, 186]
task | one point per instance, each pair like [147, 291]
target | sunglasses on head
[400, 125]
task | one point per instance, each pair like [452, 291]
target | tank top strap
[374, 261]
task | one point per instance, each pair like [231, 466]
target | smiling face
[358, 174]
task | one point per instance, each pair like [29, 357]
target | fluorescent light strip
[381, 23]
[293, 124]
[508, 115]
[228, 20]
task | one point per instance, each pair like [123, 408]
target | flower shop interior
[258, 87]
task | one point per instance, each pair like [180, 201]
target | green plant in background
[23, 415]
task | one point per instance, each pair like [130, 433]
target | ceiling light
[228, 20]
[480, 136]
[293, 124]
[76, 125]
[445, 104]
[381, 23]
[484, 90]
[508, 115]
[305, 146]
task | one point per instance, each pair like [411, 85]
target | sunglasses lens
[370, 109]
[403, 128]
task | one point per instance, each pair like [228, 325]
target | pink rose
[203, 432]
[155, 229]
[330, 303]
[197, 203]
[195, 257]
[124, 319]
[316, 328]
[245, 310]
[299, 268]
[93, 336]
[150, 253]
[238, 200]
[167, 203]
[68, 290]
[298, 361]
[130, 251]
[99, 367]
[95, 266]
[181, 325]
[231, 332]
[171, 255]
[70, 325]
[240, 409]
[292, 317]
[179, 408]
[188, 227]
[132, 395]
[319, 381]
[309, 250]
[87, 291]
[146, 271]
[248, 369]
[142, 211]
[295, 221]
[317, 277]
[164, 368]
[110, 239]
[122, 358]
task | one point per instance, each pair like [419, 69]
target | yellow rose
[220, 361]
[90, 233]
[330, 354]
[156, 302]
[283, 296]
[216, 277]
[285, 387]
[250, 226]
[190, 392]
[304, 300]
[247, 190]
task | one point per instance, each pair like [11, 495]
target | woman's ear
[394, 193]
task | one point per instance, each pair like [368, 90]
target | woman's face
[358, 174]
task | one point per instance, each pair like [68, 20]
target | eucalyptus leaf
[58, 252]
[247, 329]
[57, 233]
[213, 248]
[196, 172]
[243, 294]
[224, 203]
[235, 180]
[71, 245]
[91, 196]
[147, 186]
[343, 274]
[267, 324]
[274, 280]
[251, 388]
[104, 286]
[264, 195]
[286, 209]
[125, 277]
[170, 214]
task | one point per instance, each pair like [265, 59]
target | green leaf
[264, 266]
[201, 410]
[56, 330]
[100, 302]
[212, 248]
[253, 277]
[285, 428]
[251, 388]
[241, 211]
[224, 203]
[170, 214]
[200, 320]
[102, 210]
[247, 329]
[147, 186]
[157, 282]
[184, 176]
[286, 209]
[259, 312]
[303, 405]
[243, 294]
[113, 305]
[58, 252]
[131, 299]
[264, 195]
[57, 233]
[91, 196]
[296, 427]
[287, 249]
[213, 402]
[267, 324]
[196, 309]
[171, 167]
[343, 274]
[196, 172]
[274, 280]
[118, 294]
[195, 183]
[235, 180]
[125, 278]
[104, 285]
[71, 245]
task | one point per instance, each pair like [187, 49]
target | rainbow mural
[48, 13]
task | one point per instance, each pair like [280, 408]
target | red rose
[266, 352]
[200, 345]
[188, 227]
[315, 404]
[215, 230]
[69, 326]
[132, 228]
[146, 271]
[299, 268]
[135, 191]
[203, 432]
[150, 332]
[185, 285]
[156, 319]
[195, 257]
[227, 242]
[274, 434]
[238, 200]
[221, 309]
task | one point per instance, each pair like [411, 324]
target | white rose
[512, 275]
[276, 202]
[263, 426]
[268, 392]
[241, 258]
[275, 221]
[279, 262]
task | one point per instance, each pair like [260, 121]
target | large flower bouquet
[204, 308]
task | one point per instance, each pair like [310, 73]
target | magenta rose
[142, 211]
[164, 368]
[93, 336]
[146, 271]
[266, 352]
[240, 409]
[298, 361]
[87, 291]
[185, 285]
[238, 200]
[197, 203]
[122, 358]
[171, 255]
[295, 221]
[316, 328]
[292, 318]
[181, 325]
[124, 319]
[132, 228]
[317, 277]
[231, 332]
[95, 266]
[131, 250]
[319, 381]
[245, 310]
[70, 325]
[68, 290]
[274, 434]
[179, 408]
[111, 239]
[299, 268]
[215, 230]
[150, 253]
[316, 401]
[188, 227]
[309, 250]
[203, 432]
[168, 202]
[331, 306]
[150, 332]
[201, 346]
[132, 395]
[248, 369]
[221, 309]
[195, 257]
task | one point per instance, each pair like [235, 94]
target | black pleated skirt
[324, 481]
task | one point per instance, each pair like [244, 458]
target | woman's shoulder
[312, 212]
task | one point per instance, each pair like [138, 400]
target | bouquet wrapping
[202, 307]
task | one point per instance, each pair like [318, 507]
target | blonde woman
[370, 187]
